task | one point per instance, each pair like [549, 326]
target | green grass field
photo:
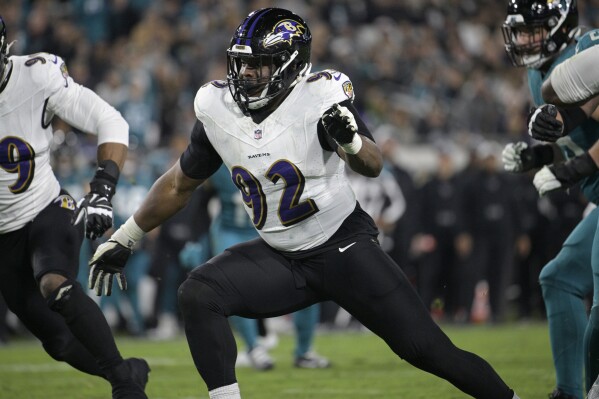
[363, 368]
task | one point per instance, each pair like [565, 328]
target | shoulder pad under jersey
[47, 70]
[589, 39]
[206, 95]
[332, 84]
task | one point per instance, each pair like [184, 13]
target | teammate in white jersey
[41, 226]
[286, 136]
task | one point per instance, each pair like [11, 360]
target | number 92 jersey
[295, 192]
[27, 182]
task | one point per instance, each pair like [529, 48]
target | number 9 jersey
[36, 88]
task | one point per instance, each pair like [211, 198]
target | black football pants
[253, 280]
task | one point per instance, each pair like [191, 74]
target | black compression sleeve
[572, 117]
[200, 160]
[543, 155]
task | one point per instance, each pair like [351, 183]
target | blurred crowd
[433, 83]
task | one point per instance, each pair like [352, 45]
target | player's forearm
[169, 194]
[368, 161]
[115, 152]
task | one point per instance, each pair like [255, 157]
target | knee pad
[57, 346]
[566, 273]
[550, 272]
[63, 294]
[196, 297]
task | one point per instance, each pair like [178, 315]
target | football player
[575, 81]
[42, 227]
[232, 226]
[286, 135]
[540, 36]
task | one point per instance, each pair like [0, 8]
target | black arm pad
[105, 178]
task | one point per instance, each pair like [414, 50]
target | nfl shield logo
[258, 134]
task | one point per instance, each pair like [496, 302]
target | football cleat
[557, 394]
[140, 371]
[132, 387]
[260, 359]
[312, 360]
[270, 341]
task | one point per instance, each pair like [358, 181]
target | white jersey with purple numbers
[27, 183]
[296, 193]
[38, 86]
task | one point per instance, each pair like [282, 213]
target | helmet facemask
[534, 33]
[275, 44]
[526, 44]
[275, 74]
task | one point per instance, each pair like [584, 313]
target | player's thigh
[254, 281]
[15, 267]
[366, 282]
[20, 290]
[54, 242]
[571, 269]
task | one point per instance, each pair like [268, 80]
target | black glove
[340, 124]
[543, 124]
[571, 172]
[109, 260]
[95, 208]
[564, 175]
[519, 157]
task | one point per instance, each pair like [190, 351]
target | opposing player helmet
[3, 48]
[273, 38]
[537, 30]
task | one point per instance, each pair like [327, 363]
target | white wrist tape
[128, 234]
[353, 147]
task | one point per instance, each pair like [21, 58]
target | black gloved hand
[95, 209]
[564, 175]
[543, 124]
[340, 124]
[109, 260]
[519, 157]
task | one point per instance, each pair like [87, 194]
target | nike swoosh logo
[338, 76]
[63, 292]
[343, 249]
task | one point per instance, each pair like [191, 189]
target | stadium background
[432, 82]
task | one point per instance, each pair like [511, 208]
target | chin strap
[262, 100]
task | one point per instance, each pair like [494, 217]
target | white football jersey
[296, 193]
[27, 182]
[39, 87]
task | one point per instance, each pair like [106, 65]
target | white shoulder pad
[332, 85]
[48, 71]
[206, 95]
